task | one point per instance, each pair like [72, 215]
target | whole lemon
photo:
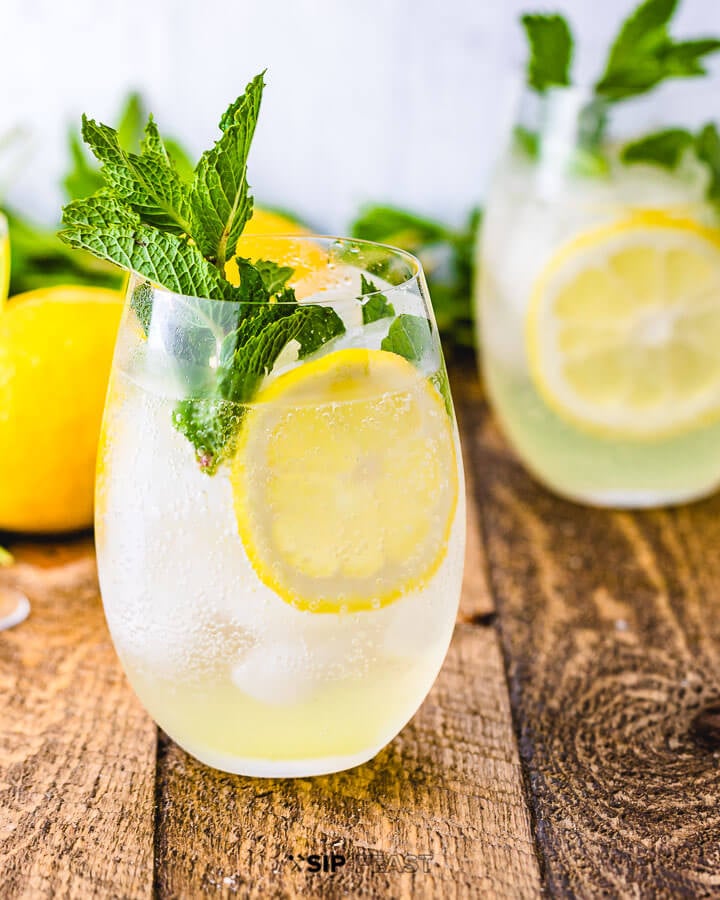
[56, 347]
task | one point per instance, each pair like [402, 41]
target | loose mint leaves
[378, 306]
[644, 53]
[551, 50]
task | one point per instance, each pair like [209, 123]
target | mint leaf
[130, 124]
[261, 339]
[141, 304]
[83, 179]
[161, 257]
[662, 148]
[378, 306]
[274, 276]
[219, 198]
[448, 258]
[179, 159]
[551, 49]
[409, 336]
[398, 226]
[318, 325]
[441, 383]
[211, 427]
[247, 355]
[707, 148]
[148, 183]
[644, 53]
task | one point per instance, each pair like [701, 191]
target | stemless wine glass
[599, 300]
[280, 518]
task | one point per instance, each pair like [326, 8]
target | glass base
[287, 768]
[629, 499]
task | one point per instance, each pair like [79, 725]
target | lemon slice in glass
[623, 329]
[345, 481]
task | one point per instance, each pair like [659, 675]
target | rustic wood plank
[448, 790]
[611, 631]
[77, 752]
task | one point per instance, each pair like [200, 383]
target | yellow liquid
[604, 471]
[240, 678]
[341, 724]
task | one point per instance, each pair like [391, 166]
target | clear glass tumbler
[599, 298]
[281, 574]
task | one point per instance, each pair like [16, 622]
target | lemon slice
[623, 329]
[345, 481]
[307, 259]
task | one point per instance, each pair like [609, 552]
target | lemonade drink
[287, 614]
[599, 321]
[280, 517]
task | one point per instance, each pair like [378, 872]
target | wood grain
[449, 789]
[611, 632]
[77, 753]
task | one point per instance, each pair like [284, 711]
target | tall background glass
[287, 614]
[605, 385]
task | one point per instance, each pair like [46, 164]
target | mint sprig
[177, 229]
[644, 53]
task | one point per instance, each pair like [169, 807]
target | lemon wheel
[623, 329]
[345, 481]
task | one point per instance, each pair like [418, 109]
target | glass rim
[413, 263]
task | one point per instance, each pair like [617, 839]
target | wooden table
[570, 746]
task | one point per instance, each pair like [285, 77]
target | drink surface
[646, 430]
[236, 673]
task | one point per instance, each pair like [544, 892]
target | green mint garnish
[551, 50]
[644, 53]
[663, 148]
[667, 148]
[707, 148]
[177, 227]
[378, 306]
[409, 336]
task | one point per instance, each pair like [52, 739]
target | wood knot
[484, 619]
[705, 727]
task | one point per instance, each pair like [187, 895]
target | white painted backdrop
[394, 100]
